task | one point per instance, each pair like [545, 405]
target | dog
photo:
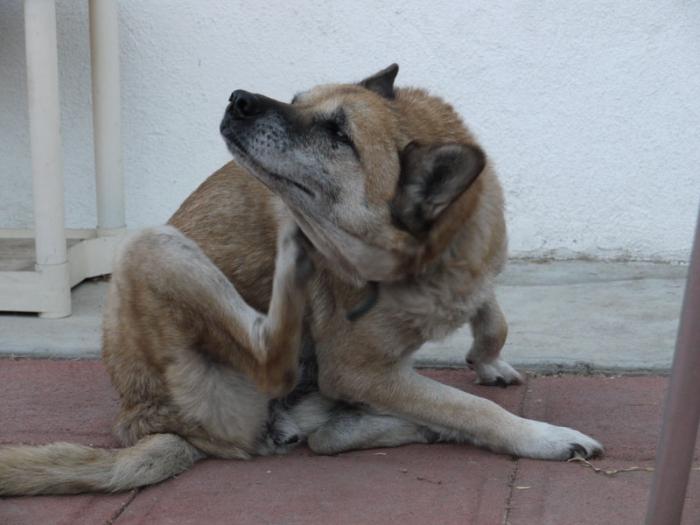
[283, 300]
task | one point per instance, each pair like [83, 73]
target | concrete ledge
[568, 316]
[582, 316]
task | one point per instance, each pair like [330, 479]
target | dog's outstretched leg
[409, 395]
[490, 330]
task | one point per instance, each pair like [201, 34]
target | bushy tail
[65, 468]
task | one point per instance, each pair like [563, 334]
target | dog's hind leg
[168, 268]
[354, 429]
[490, 330]
[331, 427]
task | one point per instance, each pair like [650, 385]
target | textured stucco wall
[591, 110]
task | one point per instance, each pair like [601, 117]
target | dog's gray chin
[272, 180]
[235, 147]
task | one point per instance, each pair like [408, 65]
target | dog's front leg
[490, 329]
[440, 407]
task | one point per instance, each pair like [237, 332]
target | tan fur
[205, 316]
[65, 468]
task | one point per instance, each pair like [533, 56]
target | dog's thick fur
[404, 214]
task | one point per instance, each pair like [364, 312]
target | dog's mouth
[239, 151]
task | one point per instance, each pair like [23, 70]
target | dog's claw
[495, 373]
[577, 451]
[291, 440]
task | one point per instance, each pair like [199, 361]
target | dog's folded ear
[382, 83]
[432, 178]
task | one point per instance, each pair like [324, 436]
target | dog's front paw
[495, 373]
[545, 441]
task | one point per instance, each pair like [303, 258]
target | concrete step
[563, 316]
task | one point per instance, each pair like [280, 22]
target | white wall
[591, 110]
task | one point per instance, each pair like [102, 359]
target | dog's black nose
[244, 104]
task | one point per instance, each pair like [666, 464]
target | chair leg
[104, 52]
[47, 166]
[674, 454]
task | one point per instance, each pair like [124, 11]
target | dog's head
[370, 172]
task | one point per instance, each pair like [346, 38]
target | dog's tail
[65, 468]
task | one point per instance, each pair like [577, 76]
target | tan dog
[405, 216]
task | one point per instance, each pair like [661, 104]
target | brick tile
[549, 493]
[417, 484]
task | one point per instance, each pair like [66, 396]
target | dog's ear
[432, 178]
[382, 82]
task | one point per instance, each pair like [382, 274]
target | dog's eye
[337, 132]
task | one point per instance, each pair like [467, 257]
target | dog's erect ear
[382, 83]
[432, 178]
